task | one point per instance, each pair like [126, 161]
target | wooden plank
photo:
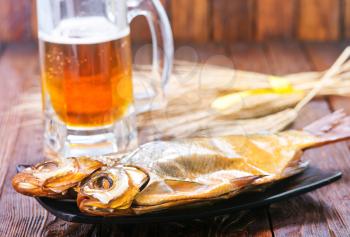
[283, 58]
[34, 20]
[232, 20]
[275, 19]
[286, 58]
[140, 32]
[319, 20]
[142, 54]
[346, 19]
[206, 53]
[16, 65]
[249, 57]
[190, 20]
[20, 215]
[14, 18]
[21, 143]
[323, 56]
[317, 213]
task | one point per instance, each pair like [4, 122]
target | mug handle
[160, 30]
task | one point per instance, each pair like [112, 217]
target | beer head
[81, 17]
[84, 30]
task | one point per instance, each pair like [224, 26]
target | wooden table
[325, 212]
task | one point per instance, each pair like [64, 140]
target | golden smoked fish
[206, 169]
[167, 174]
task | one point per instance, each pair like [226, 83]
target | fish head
[54, 178]
[111, 190]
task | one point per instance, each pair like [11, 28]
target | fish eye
[102, 182]
[46, 166]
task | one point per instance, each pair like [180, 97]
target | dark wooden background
[203, 21]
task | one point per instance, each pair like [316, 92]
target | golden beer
[88, 84]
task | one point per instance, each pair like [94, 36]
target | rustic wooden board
[345, 21]
[15, 20]
[232, 20]
[139, 30]
[139, 27]
[207, 53]
[275, 19]
[314, 214]
[16, 67]
[250, 57]
[217, 20]
[338, 218]
[286, 58]
[190, 20]
[322, 57]
[20, 215]
[34, 20]
[319, 20]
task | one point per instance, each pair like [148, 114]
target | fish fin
[331, 128]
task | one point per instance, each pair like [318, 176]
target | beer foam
[84, 30]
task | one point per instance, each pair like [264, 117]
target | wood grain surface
[200, 21]
[20, 216]
[232, 20]
[139, 28]
[319, 20]
[243, 53]
[345, 19]
[306, 215]
[15, 20]
[275, 19]
[324, 212]
[190, 20]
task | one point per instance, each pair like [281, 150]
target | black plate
[307, 181]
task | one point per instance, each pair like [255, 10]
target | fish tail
[331, 128]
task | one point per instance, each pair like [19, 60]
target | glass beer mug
[86, 67]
